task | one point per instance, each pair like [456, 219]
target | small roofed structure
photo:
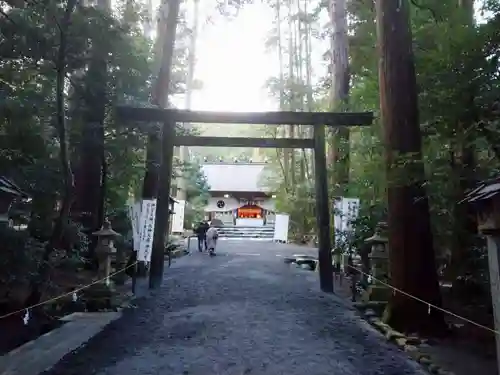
[9, 192]
[486, 200]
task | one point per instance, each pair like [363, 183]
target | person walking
[212, 235]
[201, 233]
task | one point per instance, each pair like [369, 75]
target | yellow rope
[66, 294]
[427, 303]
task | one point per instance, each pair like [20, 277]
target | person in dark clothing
[201, 233]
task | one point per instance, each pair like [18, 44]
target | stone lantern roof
[106, 231]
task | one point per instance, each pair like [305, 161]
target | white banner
[136, 224]
[130, 210]
[351, 212]
[338, 222]
[147, 227]
[281, 228]
[134, 213]
[178, 217]
[346, 210]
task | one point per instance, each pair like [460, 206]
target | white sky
[232, 62]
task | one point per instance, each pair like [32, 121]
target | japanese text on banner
[147, 229]
[134, 210]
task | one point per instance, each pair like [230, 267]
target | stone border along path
[412, 345]
[43, 353]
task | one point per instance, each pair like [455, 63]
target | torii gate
[169, 117]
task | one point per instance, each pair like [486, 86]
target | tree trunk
[309, 94]
[88, 203]
[159, 97]
[340, 140]
[148, 19]
[284, 152]
[292, 94]
[38, 282]
[301, 81]
[168, 29]
[184, 150]
[412, 263]
[467, 7]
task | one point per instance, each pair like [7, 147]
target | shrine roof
[235, 177]
[484, 190]
[8, 186]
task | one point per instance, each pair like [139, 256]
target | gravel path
[241, 312]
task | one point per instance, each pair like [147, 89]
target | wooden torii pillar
[170, 117]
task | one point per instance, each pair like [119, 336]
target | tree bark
[88, 204]
[284, 152]
[412, 263]
[340, 139]
[309, 94]
[159, 97]
[168, 28]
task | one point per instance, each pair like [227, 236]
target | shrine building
[238, 196]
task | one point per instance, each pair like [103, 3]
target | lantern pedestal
[379, 293]
[98, 297]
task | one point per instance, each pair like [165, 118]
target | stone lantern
[379, 260]
[379, 252]
[105, 249]
[486, 201]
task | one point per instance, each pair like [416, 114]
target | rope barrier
[430, 305]
[50, 300]
[394, 289]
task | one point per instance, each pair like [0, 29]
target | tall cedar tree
[412, 263]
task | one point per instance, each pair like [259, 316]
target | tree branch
[490, 137]
[427, 8]
[3, 13]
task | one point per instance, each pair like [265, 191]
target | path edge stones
[412, 345]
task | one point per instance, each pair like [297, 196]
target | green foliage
[21, 255]
[27, 79]
[197, 194]
[457, 67]
[457, 72]
[108, 58]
